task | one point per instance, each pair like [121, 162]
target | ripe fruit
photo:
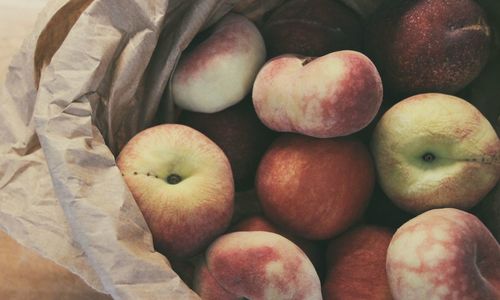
[257, 265]
[183, 185]
[329, 96]
[219, 71]
[444, 254]
[435, 150]
[424, 46]
[315, 188]
[356, 265]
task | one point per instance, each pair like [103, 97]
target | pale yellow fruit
[435, 150]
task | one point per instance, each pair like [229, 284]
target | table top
[17, 18]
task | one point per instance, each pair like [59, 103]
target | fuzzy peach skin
[207, 287]
[219, 71]
[183, 185]
[312, 249]
[435, 150]
[444, 254]
[315, 188]
[259, 265]
[333, 95]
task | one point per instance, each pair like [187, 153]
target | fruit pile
[316, 155]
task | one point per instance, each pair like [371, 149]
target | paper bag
[92, 75]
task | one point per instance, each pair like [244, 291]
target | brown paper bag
[92, 75]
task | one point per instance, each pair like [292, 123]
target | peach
[239, 133]
[257, 265]
[315, 188]
[256, 223]
[312, 28]
[219, 71]
[444, 254]
[428, 45]
[183, 185]
[356, 265]
[207, 287]
[435, 150]
[333, 95]
[313, 250]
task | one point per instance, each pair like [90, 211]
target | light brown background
[24, 274]
[17, 18]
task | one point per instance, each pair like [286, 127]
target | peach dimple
[435, 150]
[161, 165]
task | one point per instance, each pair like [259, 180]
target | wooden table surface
[17, 18]
[24, 275]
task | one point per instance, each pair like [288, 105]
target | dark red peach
[428, 45]
[312, 28]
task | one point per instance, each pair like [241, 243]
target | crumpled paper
[71, 100]
[92, 74]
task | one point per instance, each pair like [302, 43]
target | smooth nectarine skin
[444, 254]
[315, 188]
[262, 265]
[312, 28]
[356, 265]
[239, 133]
[428, 45]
